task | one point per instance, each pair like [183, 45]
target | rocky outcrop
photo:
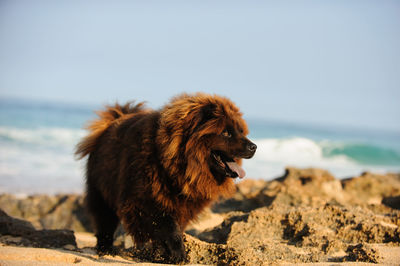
[20, 232]
[306, 215]
[48, 212]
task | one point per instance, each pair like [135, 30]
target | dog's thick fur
[154, 170]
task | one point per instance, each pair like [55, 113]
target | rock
[68, 213]
[29, 236]
[301, 234]
[246, 198]
[49, 212]
[14, 227]
[307, 216]
[371, 188]
[362, 253]
[393, 202]
[220, 233]
[199, 252]
[304, 216]
[308, 187]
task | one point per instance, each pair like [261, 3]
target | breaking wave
[41, 160]
[341, 158]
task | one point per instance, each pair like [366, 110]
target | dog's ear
[207, 113]
[203, 115]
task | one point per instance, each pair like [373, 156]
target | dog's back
[107, 117]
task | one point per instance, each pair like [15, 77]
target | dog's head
[208, 137]
[227, 149]
[226, 139]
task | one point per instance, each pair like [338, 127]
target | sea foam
[41, 160]
[41, 136]
[274, 154]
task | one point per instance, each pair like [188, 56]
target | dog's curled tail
[110, 115]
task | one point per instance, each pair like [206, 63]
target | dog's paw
[109, 250]
[175, 249]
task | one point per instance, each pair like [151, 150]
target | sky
[317, 62]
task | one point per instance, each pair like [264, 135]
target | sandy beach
[306, 216]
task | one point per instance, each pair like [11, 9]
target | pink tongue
[236, 168]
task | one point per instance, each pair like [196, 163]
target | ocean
[37, 141]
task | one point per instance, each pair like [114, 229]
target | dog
[156, 170]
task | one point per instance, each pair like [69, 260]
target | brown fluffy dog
[156, 170]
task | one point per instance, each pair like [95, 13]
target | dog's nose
[252, 147]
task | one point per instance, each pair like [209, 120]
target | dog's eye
[226, 134]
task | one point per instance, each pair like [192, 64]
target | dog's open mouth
[229, 165]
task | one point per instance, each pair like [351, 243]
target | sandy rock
[304, 216]
[392, 202]
[311, 187]
[362, 253]
[27, 235]
[371, 188]
[48, 212]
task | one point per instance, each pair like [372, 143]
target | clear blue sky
[325, 62]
